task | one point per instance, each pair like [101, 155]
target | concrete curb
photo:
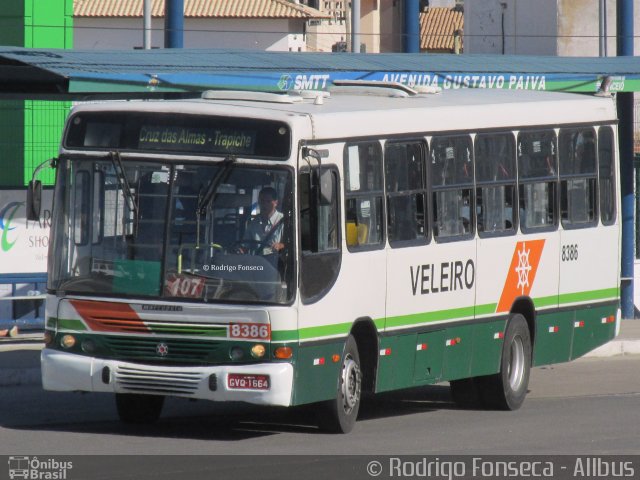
[616, 347]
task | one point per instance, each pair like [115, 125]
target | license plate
[237, 381]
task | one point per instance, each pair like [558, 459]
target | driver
[265, 230]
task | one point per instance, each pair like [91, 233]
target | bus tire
[465, 392]
[507, 389]
[339, 415]
[137, 408]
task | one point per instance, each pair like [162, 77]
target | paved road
[591, 406]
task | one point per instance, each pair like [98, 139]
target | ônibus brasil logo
[6, 216]
[22, 466]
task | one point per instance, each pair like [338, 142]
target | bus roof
[344, 114]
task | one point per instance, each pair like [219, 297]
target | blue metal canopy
[80, 73]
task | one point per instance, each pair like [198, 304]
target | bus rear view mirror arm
[34, 191]
[325, 184]
[34, 200]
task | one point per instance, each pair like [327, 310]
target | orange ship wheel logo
[523, 268]
[522, 272]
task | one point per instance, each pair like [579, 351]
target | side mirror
[34, 200]
[326, 187]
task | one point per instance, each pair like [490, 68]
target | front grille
[181, 351]
[123, 318]
[143, 380]
[166, 327]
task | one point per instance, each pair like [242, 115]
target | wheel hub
[351, 384]
[516, 368]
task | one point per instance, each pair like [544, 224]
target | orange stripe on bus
[109, 316]
[522, 272]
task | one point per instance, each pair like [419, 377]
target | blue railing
[22, 298]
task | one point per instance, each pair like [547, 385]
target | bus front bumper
[62, 371]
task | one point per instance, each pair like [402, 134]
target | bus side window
[97, 207]
[606, 170]
[538, 180]
[363, 198]
[452, 176]
[319, 236]
[81, 206]
[578, 207]
[496, 183]
[406, 193]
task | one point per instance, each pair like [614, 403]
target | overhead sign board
[315, 80]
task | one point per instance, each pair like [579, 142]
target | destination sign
[223, 141]
[179, 133]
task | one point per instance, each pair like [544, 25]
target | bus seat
[356, 234]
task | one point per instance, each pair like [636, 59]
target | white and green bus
[411, 238]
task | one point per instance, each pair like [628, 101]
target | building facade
[540, 27]
[381, 26]
[278, 25]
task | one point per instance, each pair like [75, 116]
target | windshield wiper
[123, 183]
[210, 193]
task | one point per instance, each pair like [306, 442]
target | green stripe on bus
[577, 297]
[325, 330]
[545, 301]
[342, 329]
[313, 332]
[67, 324]
[428, 317]
[587, 296]
[440, 315]
[487, 309]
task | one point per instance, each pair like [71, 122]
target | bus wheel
[339, 415]
[465, 392]
[136, 408]
[507, 389]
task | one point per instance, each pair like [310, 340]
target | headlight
[258, 351]
[88, 346]
[236, 354]
[67, 341]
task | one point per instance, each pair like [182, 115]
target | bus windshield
[198, 231]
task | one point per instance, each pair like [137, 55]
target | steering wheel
[251, 246]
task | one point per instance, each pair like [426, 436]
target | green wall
[30, 130]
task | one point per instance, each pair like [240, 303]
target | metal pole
[602, 28]
[624, 14]
[604, 14]
[412, 26]
[173, 23]
[637, 230]
[355, 26]
[146, 37]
